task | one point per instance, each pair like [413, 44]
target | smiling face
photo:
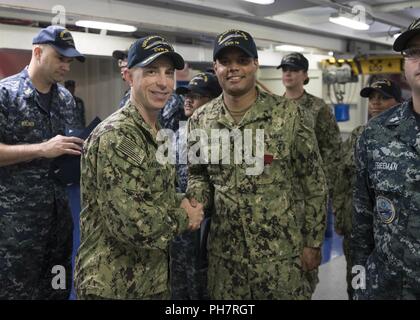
[236, 71]
[152, 85]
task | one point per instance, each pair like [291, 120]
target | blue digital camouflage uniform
[188, 269]
[258, 228]
[386, 223]
[129, 212]
[35, 220]
[181, 151]
[124, 99]
[172, 113]
[184, 282]
[343, 200]
[79, 113]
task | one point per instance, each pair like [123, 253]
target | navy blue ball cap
[235, 38]
[146, 50]
[294, 60]
[205, 84]
[120, 54]
[60, 39]
[385, 87]
[404, 38]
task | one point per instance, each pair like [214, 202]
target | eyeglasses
[122, 63]
[411, 53]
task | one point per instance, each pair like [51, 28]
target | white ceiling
[198, 21]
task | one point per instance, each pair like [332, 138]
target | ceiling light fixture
[105, 26]
[288, 47]
[263, 2]
[349, 21]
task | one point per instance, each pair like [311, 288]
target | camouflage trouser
[188, 275]
[274, 280]
[349, 275]
[26, 270]
[159, 296]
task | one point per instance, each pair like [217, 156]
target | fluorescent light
[397, 35]
[349, 22]
[105, 26]
[331, 53]
[287, 47]
[264, 2]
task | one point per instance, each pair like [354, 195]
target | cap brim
[401, 42]
[217, 53]
[193, 89]
[69, 53]
[119, 54]
[182, 90]
[176, 58]
[290, 65]
[366, 92]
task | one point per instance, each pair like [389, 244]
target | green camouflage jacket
[257, 218]
[343, 200]
[327, 134]
[129, 211]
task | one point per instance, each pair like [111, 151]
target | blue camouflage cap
[60, 39]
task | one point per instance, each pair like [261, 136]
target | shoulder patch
[385, 209]
[131, 149]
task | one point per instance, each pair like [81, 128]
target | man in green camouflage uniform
[260, 242]
[321, 119]
[382, 95]
[130, 212]
[385, 239]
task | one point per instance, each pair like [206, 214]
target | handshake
[194, 211]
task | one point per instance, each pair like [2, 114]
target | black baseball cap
[60, 39]
[295, 60]
[146, 50]
[235, 38]
[402, 41]
[120, 54]
[204, 83]
[385, 87]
